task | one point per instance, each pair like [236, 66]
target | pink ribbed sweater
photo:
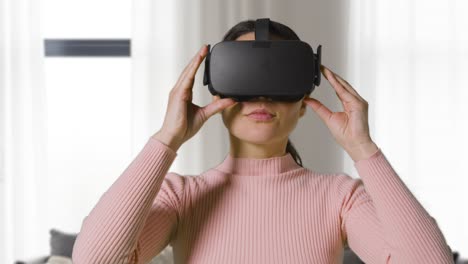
[258, 211]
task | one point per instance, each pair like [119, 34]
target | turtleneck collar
[257, 167]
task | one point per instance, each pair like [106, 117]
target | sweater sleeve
[110, 233]
[161, 225]
[382, 220]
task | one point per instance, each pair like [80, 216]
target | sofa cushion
[59, 260]
[61, 244]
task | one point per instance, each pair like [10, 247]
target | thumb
[217, 106]
[321, 110]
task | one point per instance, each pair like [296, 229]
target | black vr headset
[282, 70]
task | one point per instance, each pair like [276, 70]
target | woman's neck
[257, 150]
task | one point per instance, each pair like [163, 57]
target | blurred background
[84, 84]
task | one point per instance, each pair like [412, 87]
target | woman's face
[247, 129]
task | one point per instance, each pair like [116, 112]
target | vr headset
[282, 70]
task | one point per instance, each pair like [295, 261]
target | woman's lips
[261, 115]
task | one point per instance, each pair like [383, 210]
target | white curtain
[23, 130]
[411, 59]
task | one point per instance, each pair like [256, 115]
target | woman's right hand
[184, 119]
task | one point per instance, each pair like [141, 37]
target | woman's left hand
[351, 127]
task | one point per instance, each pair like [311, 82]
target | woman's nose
[261, 98]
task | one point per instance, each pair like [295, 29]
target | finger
[216, 107]
[348, 86]
[344, 83]
[341, 99]
[344, 94]
[322, 111]
[189, 77]
[189, 65]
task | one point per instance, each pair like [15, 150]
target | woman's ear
[303, 109]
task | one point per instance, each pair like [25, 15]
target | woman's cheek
[290, 119]
[232, 116]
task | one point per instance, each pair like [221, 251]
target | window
[88, 82]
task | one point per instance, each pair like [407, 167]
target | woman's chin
[254, 131]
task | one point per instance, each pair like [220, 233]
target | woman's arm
[161, 225]
[384, 222]
[111, 232]
[381, 218]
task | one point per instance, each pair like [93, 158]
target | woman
[260, 205]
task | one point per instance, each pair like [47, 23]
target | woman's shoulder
[328, 176]
[184, 181]
[339, 182]
[178, 179]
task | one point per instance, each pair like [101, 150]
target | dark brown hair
[277, 29]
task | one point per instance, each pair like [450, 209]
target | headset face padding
[282, 70]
